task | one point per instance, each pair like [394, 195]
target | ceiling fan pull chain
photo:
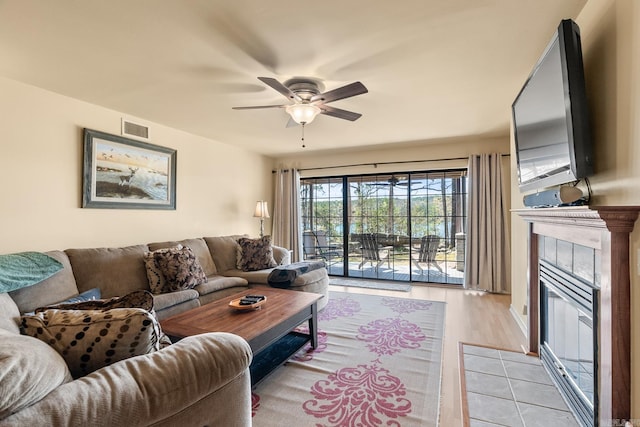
[303, 146]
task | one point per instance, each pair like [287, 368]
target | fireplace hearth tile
[493, 409]
[478, 423]
[537, 394]
[492, 385]
[519, 357]
[527, 372]
[539, 416]
[496, 386]
[482, 351]
[486, 365]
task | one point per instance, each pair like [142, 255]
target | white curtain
[488, 258]
[286, 212]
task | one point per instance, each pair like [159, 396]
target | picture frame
[122, 173]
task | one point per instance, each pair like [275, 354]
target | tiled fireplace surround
[606, 230]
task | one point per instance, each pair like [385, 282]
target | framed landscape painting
[122, 173]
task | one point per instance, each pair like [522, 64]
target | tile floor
[506, 388]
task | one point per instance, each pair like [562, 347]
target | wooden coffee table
[268, 330]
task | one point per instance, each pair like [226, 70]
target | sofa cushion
[29, 370]
[180, 268]
[157, 282]
[199, 248]
[224, 250]
[216, 283]
[281, 255]
[253, 277]
[164, 301]
[91, 339]
[116, 271]
[9, 314]
[58, 287]
[255, 254]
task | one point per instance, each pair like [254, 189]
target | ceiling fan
[401, 181]
[309, 100]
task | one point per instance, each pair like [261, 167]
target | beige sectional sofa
[200, 380]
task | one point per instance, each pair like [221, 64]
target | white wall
[41, 174]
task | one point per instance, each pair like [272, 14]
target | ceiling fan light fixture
[303, 113]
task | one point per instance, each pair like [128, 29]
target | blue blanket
[25, 269]
[284, 276]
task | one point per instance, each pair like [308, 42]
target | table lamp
[262, 212]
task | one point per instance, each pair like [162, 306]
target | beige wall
[426, 155]
[41, 175]
[610, 32]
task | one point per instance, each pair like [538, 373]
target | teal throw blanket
[25, 269]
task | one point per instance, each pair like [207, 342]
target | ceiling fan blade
[343, 92]
[280, 88]
[339, 113]
[255, 107]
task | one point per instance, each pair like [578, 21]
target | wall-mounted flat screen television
[550, 116]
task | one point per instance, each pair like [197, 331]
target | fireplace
[579, 313]
[568, 327]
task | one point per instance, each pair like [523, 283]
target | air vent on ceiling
[135, 130]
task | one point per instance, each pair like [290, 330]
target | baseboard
[518, 319]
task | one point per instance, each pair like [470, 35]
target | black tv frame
[578, 129]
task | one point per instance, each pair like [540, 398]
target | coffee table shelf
[275, 355]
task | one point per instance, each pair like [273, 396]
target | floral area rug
[378, 363]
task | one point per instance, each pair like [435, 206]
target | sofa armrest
[157, 388]
[281, 255]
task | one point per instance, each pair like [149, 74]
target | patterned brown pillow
[91, 314]
[156, 279]
[90, 339]
[180, 268]
[255, 254]
[136, 299]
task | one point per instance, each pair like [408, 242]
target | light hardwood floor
[471, 317]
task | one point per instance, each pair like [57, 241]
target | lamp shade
[303, 113]
[262, 211]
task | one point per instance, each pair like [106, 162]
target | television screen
[551, 126]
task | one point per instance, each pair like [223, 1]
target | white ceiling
[434, 68]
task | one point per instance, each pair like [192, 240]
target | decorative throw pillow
[89, 295]
[156, 279]
[141, 300]
[136, 299]
[30, 370]
[91, 339]
[255, 254]
[180, 268]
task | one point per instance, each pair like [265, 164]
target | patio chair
[374, 253]
[315, 246]
[426, 254]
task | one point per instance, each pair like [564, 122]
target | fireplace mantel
[606, 229]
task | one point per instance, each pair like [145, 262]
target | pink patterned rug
[378, 363]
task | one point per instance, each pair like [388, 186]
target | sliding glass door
[378, 226]
[322, 205]
[397, 226]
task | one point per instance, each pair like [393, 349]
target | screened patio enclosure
[400, 226]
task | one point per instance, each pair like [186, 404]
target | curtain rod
[375, 164]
